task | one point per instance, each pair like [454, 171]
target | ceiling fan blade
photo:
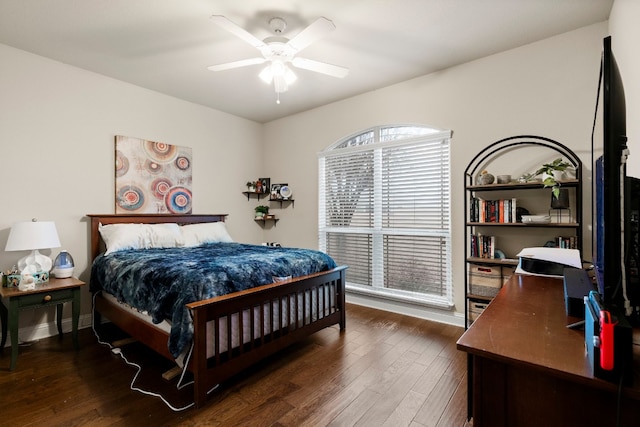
[238, 31]
[236, 64]
[320, 67]
[320, 28]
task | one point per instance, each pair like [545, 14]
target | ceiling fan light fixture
[279, 73]
[266, 75]
[280, 84]
[278, 68]
[289, 76]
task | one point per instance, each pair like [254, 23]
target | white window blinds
[384, 212]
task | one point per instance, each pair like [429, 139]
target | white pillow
[123, 236]
[118, 237]
[164, 236]
[207, 232]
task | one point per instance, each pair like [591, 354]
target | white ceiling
[166, 45]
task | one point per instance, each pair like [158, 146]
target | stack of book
[483, 246]
[502, 210]
[569, 242]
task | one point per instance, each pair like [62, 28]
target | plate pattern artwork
[285, 192]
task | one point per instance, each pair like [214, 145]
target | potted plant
[551, 173]
[251, 186]
[261, 211]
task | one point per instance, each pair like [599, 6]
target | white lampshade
[31, 236]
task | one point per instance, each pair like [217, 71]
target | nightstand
[55, 292]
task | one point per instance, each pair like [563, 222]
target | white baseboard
[49, 329]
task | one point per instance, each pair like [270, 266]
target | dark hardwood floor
[384, 370]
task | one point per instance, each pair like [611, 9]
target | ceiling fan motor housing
[277, 25]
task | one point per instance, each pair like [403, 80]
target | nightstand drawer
[46, 298]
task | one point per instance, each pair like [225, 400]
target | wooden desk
[54, 292]
[529, 369]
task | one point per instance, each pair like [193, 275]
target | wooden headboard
[97, 246]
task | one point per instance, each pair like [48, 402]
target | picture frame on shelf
[275, 191]
[265, 184]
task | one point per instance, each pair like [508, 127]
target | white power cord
[623, 277]
[179, 386]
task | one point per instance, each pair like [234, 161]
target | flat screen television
[616, 199]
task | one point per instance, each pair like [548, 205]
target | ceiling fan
[279, 51]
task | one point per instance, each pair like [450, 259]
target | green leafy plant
[262, 209]
[548, 169]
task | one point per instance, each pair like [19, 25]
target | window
[384, 212]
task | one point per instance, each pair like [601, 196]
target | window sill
[404, 297]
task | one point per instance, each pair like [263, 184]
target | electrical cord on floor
[179, 386]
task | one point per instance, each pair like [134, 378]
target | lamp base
[35, 263]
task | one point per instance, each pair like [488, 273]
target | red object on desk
[606, 340]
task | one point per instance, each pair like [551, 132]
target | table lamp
[31, 236]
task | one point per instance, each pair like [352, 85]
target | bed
[233, 331]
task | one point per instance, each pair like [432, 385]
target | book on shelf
[566, 242]
[483, 246]
[496, 211]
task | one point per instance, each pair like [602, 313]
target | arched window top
[384, 210]
[386, 134]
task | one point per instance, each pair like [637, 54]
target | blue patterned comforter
[162, 281]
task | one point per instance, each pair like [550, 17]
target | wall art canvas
[152, 177]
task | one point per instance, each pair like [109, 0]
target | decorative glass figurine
[63, 265]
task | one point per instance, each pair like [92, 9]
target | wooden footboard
[275, 315]
[295, 309]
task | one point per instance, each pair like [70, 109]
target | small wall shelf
[254, 193]
[293, 202]
[263, 221]
[272, 218]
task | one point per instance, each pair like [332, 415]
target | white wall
[546, 88]
[57, 125]
[625, 33]
[57, 128]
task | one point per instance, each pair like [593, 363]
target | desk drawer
[46, 298]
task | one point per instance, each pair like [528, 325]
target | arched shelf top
[514, 142]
